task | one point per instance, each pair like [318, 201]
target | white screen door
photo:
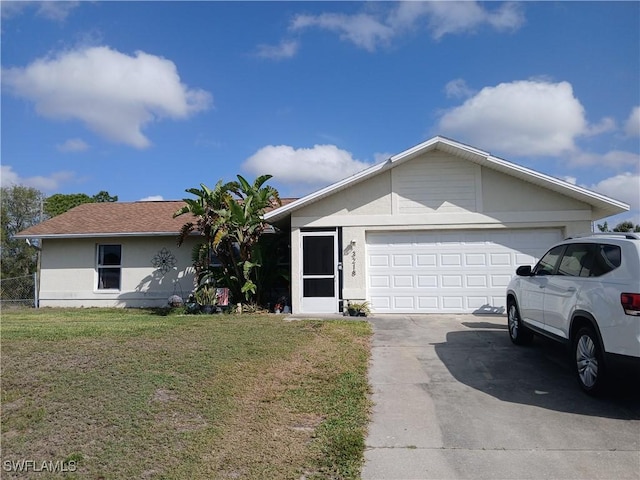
[319, 272]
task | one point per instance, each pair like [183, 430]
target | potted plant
[358, 309]
[207, 298]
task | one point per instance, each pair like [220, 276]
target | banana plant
[229, 216]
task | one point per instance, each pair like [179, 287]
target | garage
[438, 228]
[448, 271]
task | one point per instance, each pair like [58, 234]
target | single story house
[113, 254]
[437, 228]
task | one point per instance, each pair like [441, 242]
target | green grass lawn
[133, 394]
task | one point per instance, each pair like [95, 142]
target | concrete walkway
[454, 399]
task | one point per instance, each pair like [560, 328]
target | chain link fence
[18, 291]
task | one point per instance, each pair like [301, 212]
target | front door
[319, 272]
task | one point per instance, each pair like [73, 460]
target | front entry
[319, 272]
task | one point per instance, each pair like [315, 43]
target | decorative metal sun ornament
[164, 260]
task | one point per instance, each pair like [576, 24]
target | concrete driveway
[455, 399]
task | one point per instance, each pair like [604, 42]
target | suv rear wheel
[588, 361]
[519, 334]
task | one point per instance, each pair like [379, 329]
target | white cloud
[458, 88]
[624, 187]
[362, 29]
[607, 124]
[52, 183]
[464, 17]
[381, 157]
[320, 165]
[51, 10]
[571, 180]
[73, 145]
[152, 198]
[286, 49]
[632, 126]
[57, 11]
[114, 94]
[519, 118]
[614, 158]
[12, 9]
[8, 177]
[370, 30]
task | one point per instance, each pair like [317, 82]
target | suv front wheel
[588, 361]
[519, 334]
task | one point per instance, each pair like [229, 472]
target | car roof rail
[627, 235]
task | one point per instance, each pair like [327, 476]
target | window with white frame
[109, 267]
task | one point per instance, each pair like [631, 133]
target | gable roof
[602, 206]
[115, 219]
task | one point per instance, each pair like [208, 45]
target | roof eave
[603, 206]
[284, 211]
[96, 235]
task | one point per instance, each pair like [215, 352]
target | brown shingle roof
[114, 218]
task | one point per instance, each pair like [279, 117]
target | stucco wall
[69, 274]
[463, 196]
[502, 193]
[370, 197]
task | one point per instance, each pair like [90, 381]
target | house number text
[353, 263]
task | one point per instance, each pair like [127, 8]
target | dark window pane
[317, 256]
[577, 260]
[109, 255]
[548, 263]
[608, 257]
[109, 278]
[318, 287]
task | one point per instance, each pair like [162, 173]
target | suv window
[607, 258]
[547, 264]
[577, 260]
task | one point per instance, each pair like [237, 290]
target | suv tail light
[630, 303]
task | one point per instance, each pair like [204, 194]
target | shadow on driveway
[540, 375]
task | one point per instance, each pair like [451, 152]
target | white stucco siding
[370, 197]
[502, 193]
[439, 190]
[436, 182]
[69, 274]
[354, 263]
[296, 268]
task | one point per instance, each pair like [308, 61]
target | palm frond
[185, 231]
[261, 181]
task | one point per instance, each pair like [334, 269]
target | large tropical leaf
[229, 216]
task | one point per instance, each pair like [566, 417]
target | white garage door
[449, 271]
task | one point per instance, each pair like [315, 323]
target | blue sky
[147, 99]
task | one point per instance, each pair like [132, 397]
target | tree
[203, 208]
[61, 202]
[242, 226]
[229, 217]
[626, 226]
[20, 210]
[103, 196]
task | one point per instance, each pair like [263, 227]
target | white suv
[584, 292]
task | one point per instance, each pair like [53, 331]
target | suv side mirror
[524, 271]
